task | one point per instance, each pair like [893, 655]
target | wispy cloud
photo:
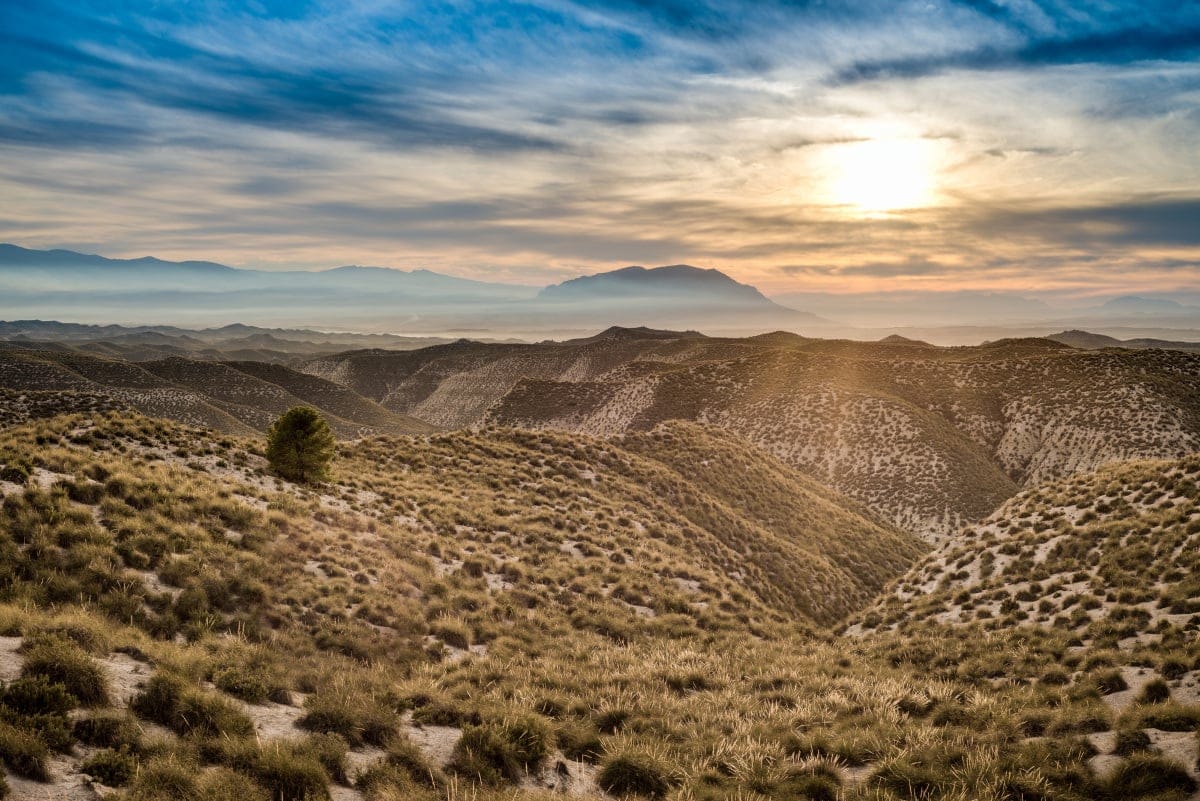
[556, 136]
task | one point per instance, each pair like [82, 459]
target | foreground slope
[928, 438]
[495, 615]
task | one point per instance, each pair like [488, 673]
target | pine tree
[300, 445]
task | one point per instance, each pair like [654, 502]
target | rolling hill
[1111, 556]
[513, 613]
[928, 438]
[237, 397]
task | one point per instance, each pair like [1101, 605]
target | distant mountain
[1132, 304]
[1090, 341]
[676, 296]
[65, 284]
[676, 282]
[232, 342]
[53, 270]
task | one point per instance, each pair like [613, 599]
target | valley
[645, 563]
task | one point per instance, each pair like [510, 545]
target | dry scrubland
[512, 614]
[232, 397]
[927, 438]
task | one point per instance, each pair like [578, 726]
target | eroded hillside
[1111, 555]
[928, 438]
[236, 397]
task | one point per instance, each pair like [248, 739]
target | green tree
[300, 445]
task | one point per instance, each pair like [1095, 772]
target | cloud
[558, 135]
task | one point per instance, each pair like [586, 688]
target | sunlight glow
[882, 175]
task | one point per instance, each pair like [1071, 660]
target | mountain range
[61, 282]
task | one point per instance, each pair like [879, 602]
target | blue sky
[812, 145]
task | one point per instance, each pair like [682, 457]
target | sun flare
[883, 175]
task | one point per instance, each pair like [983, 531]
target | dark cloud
[1122, 46]
[1139, 222]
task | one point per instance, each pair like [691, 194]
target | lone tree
[300, 445]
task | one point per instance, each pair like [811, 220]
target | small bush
[108, 731]
[1149, 776]
[634, 773]
[1110, 681]
[251, 684]
[224, 784]
[165, 779]
[36, 695]
[111, 768]
[402, 753]
[300, 445]
[579, 741]
[814, 782]
[186, 709]
[357, 718]
[483, 755]
[288, 771]
[1155, 692]
[1130, 742]
[23, 753]
[63, 662]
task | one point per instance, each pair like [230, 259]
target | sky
[802, 146]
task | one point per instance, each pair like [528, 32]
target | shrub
[23, 753]
[1130, 742]
[36, 695]
[1110, 681]
[111, 768]
[63, 662]
[1149, 776]
[579, 741]
[249, 683]
[357, 718]
[491, 752]
[289, 772]
[910, 777]
[634, 773]
[165, 779]
[186, 709]
[483, 755]
[817, 781]
[300, 445]
[405, 756]
[1170, 717]
[109, 731]
[1155, 692]
[224, 784]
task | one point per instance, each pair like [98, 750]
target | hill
[1110, 556]
[241, 398]
[1086, 339]
[506, 613]
[928, 438]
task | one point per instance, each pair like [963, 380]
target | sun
[876, 176]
